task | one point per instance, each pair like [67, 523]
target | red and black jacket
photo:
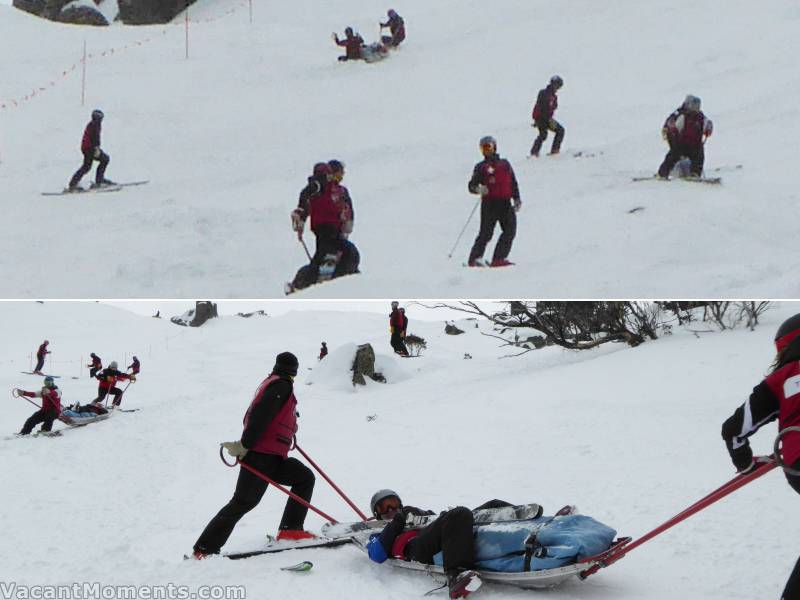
[686, 127]
[546, 105]
[271, 419]
[91, 137]
[42, 351]
[498, 176]
[397, 28]
[776, 397]
[108, 377]
[51, 399]
[352, 45]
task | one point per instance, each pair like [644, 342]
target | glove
[133, 378]
[482, 189]
[235, 449]
[334, 37]
[755, 464]
[298, 222]
[413, 520]
[517, 204]
[97, 152]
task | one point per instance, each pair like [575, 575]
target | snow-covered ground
[228, 137]
[629, 435]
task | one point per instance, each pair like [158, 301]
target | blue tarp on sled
[563, 540]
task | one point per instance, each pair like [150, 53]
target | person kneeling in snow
[353, 44]
[50, 410]
[686, 131]
[450, 533]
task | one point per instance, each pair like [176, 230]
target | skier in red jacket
[397, 329]
[494, 179]
[269, 427]
[41, 354]
[686, 131]
[108, 378]
[543, 112]
[776, 397]
[95, 366]
[50, 410]
[90, 147]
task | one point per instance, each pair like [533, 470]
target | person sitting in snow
[353, 44]
[397, 28]
[323, 352]
[50, 410]
[686, 131]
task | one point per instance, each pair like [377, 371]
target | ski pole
[458, 239]
[308, 254]
[361, 515]
[607, 558]
[289, 493]
[16, 393]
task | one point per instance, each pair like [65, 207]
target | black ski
[320, 543]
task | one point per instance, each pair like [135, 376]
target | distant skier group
[51, 409]
[356, 49]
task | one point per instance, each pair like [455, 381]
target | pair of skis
[116, 187]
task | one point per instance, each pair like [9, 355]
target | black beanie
[285, 364]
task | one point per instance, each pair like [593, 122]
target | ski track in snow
[228, 137]
[631, 436]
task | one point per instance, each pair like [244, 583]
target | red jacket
[352, 46]
[785, 385]
[109, 377]
[42, 351]
[546, 104]
[277, 437]
[91, 137]
[498, 176]
[687, 127]
[396, 321]
[323, 209]
[341, 198]
[51, 398]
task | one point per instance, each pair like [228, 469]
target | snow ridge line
[39, 89]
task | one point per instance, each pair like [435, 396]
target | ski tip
[301, 567]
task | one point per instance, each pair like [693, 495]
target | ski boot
[461, 585]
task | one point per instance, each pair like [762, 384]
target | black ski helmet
[97, 115]
[286, 363]
[378, 497]
[348, 31]
[49, 382]
[788, 330]
[556, 81]
[336, 166]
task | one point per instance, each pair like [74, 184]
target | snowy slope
[228, 137]
[629, 435]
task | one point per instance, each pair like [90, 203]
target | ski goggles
[387, 505]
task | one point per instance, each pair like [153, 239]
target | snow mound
[335, 371]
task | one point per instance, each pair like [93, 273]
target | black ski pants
[46, 417]
[93, 371]
[495, 211]
[114, 392]
[398, 344]
[544, 127]
[250, 489]
[88, 159]
[451, 534]
[792, 589]
[696, 154]
[39, 364]
[328, 242]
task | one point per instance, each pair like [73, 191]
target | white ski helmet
[692, 103]
[378, 497]
[112, 364]
[487, 141]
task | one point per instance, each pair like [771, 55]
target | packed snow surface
[228, 137]
[631, 436]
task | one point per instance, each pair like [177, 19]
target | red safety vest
[277, 437]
